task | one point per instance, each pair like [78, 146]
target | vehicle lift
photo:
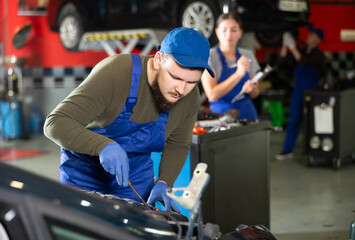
[123, 40]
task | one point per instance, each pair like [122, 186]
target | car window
[63, 231]
[65, 223]
[25, 216]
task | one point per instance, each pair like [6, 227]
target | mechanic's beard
[159, 98]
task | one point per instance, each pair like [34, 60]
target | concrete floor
[306, 202]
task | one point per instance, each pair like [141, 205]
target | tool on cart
[226, 121]
[258, 77]
[138, 195]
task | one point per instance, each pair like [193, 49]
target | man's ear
[158, 60]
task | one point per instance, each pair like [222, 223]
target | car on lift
[267, 18]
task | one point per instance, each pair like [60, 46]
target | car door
[153, 13]
[125, 14]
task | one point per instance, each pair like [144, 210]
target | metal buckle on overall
[130, 103]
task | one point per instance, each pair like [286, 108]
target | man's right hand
[115, 161]
[158, 193]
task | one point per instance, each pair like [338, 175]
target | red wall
[332, 18]
[44, 48]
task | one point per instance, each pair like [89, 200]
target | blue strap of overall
[226, 72]
[132, 99]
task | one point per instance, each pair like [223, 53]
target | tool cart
[329, 129]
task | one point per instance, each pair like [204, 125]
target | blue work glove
[158, 193]
[115, 161]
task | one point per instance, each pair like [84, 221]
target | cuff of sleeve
[165, 181]
[102, 146]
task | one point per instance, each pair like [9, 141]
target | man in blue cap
[309, 69]
[128, 107]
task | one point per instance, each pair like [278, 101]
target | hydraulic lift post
[125, 41]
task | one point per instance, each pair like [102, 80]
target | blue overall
[244, 105]
[306, 78]
[137, 139]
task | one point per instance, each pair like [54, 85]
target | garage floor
[306, 203]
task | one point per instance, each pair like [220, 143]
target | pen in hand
[235, 64]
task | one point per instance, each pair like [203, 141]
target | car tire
[70, 26]
[269, 39]
[200, 15]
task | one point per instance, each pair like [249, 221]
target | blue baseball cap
[317, 31]
[188, 47]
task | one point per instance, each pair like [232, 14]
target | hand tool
[138, 195]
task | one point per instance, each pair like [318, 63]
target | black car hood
[106, 209]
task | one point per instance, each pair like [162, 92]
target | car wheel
[70, 27]
[269, 39]
[200, 15]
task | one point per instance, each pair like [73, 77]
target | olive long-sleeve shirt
[99, 99]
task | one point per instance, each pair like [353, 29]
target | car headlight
[314, 142]
[327, 144]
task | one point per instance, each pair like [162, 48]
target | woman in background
[233, 68]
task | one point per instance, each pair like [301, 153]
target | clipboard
[323, 119]
[258, 77]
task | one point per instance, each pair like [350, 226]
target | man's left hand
[158, 193]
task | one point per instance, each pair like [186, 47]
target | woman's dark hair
[230, 15]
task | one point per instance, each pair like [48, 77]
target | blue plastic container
[35, 121]
[11, 119]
